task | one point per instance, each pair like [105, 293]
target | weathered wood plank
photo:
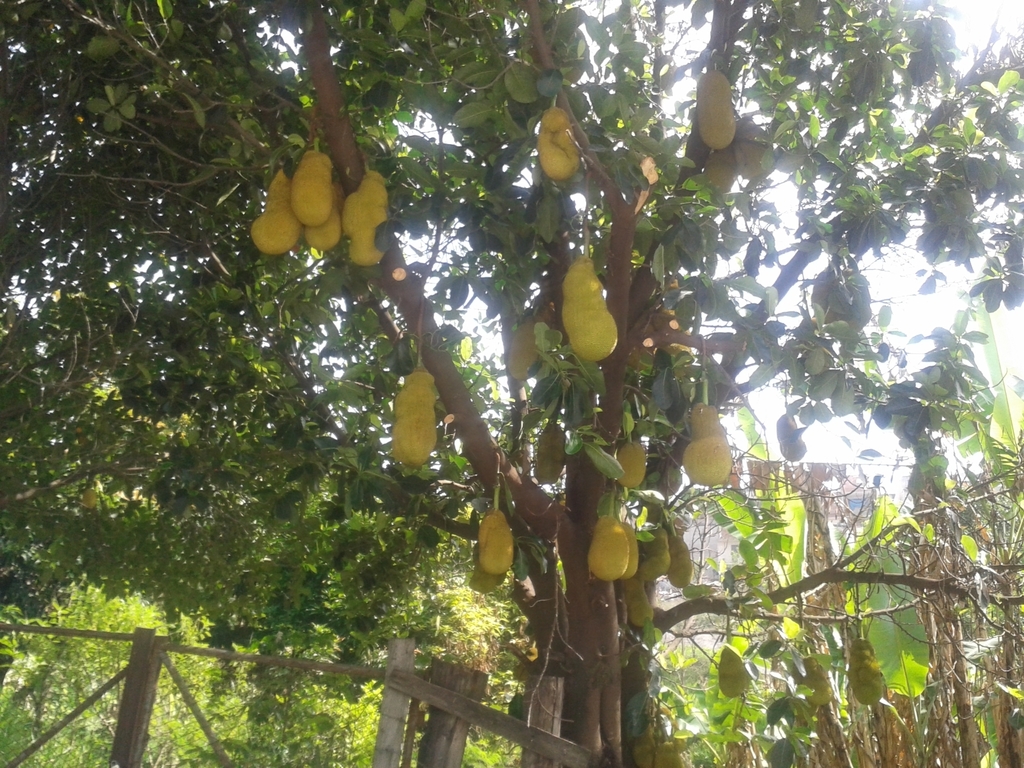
[393, 708]
[444, 741]
[561, 751]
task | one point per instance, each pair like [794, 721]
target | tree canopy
[184, 416]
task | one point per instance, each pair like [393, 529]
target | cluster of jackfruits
[496, 544]
[708, 458]
[612, 550]
[632, 457]
[522, 352]
[365, 210]
[588, 323]
[308, 204]
[732, 673]
[558, 153]
[864, 672]
[843, 295]
[736, 148]
[549, 459]
[415, 429]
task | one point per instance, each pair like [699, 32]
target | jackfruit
[644, 749]
[588, 323]
[864, 672]
[632, 457]
[277, 230]
[732, 674]
[483, 582]
[707, 459]
[656, 557]
[750, 159]
[680, 571]
[365, 210]
[638, 607]
[559, 156]
[328, 234]
[522, 351]
[497, 547]
[667, 756]
[791, 441]
[816, 678]
[90, 498]
[634, 553]
[550, 458]
[720, 169]
[608, 556]
[312, 195]
[715, 118]
[415, 430]
[846, 297]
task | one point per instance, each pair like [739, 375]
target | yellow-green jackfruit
[707, 459]
[550, 456]
[632, 457]
[608, 556]
[312, 195]
[588, 323]
[732, 674]
[864, 672]
[522, 352]
[715, 118]
[497, 546]
[638, 607]
[656, 558]
[559, 156]
[415, 431]
[277, 230]
[365, 210]
[680, 571]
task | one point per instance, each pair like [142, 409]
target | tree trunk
[444, 740]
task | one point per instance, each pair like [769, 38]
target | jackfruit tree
[265, 266]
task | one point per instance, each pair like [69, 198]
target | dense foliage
[183, 416]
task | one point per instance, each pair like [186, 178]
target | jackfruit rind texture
[328, 234]
[522, 351]
[818, 681]
[732, 674]
[550, 460]
[680, 572]
[656, 557]
[277, 230]
[667, 756]
[483, 582]
[715, 118]
[638, 607]
[632, 457]
[634, 553]
[415, 431]
[608, 556]
[588, 323]
[644, 749]
[864, 672]
[497, 546]
[708, 458]
[312, 194]
[559, 156]
[365, 210]
[721, 170]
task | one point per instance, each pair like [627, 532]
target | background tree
[231, 411]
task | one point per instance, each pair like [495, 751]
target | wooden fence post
[136, 705]
[444, 740]
[542, 708]
[393, 708]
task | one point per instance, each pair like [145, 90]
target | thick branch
[724, 607]
[405, 289]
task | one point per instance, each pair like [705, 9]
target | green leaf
[782, 754]
[1009, 80]
[606, 464]
[970, 547]
[901, 646]
[166, 9]
[398, 20]
[521, 83]
[474, 114]
[415, 10]
[549, 83]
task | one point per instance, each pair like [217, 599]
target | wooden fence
[452, 694]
